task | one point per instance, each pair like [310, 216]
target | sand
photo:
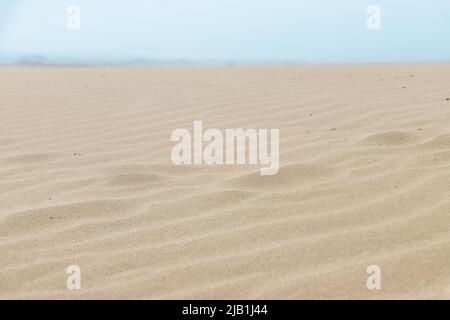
[86, 179]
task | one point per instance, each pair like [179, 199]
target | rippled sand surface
[86, 179]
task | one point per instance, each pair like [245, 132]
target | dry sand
[86, 179]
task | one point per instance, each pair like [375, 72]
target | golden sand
[86, 179]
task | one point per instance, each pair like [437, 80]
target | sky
[310, 31]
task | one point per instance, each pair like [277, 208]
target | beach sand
[86, 179]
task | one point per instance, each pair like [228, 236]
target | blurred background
[224, 32]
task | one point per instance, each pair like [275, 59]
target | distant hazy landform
[17, 59]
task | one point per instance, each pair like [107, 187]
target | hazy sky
[316, 31]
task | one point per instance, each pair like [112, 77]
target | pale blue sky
[314, 31]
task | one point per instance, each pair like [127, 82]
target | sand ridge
[86, 179]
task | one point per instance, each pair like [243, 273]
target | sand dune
[86, 179]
